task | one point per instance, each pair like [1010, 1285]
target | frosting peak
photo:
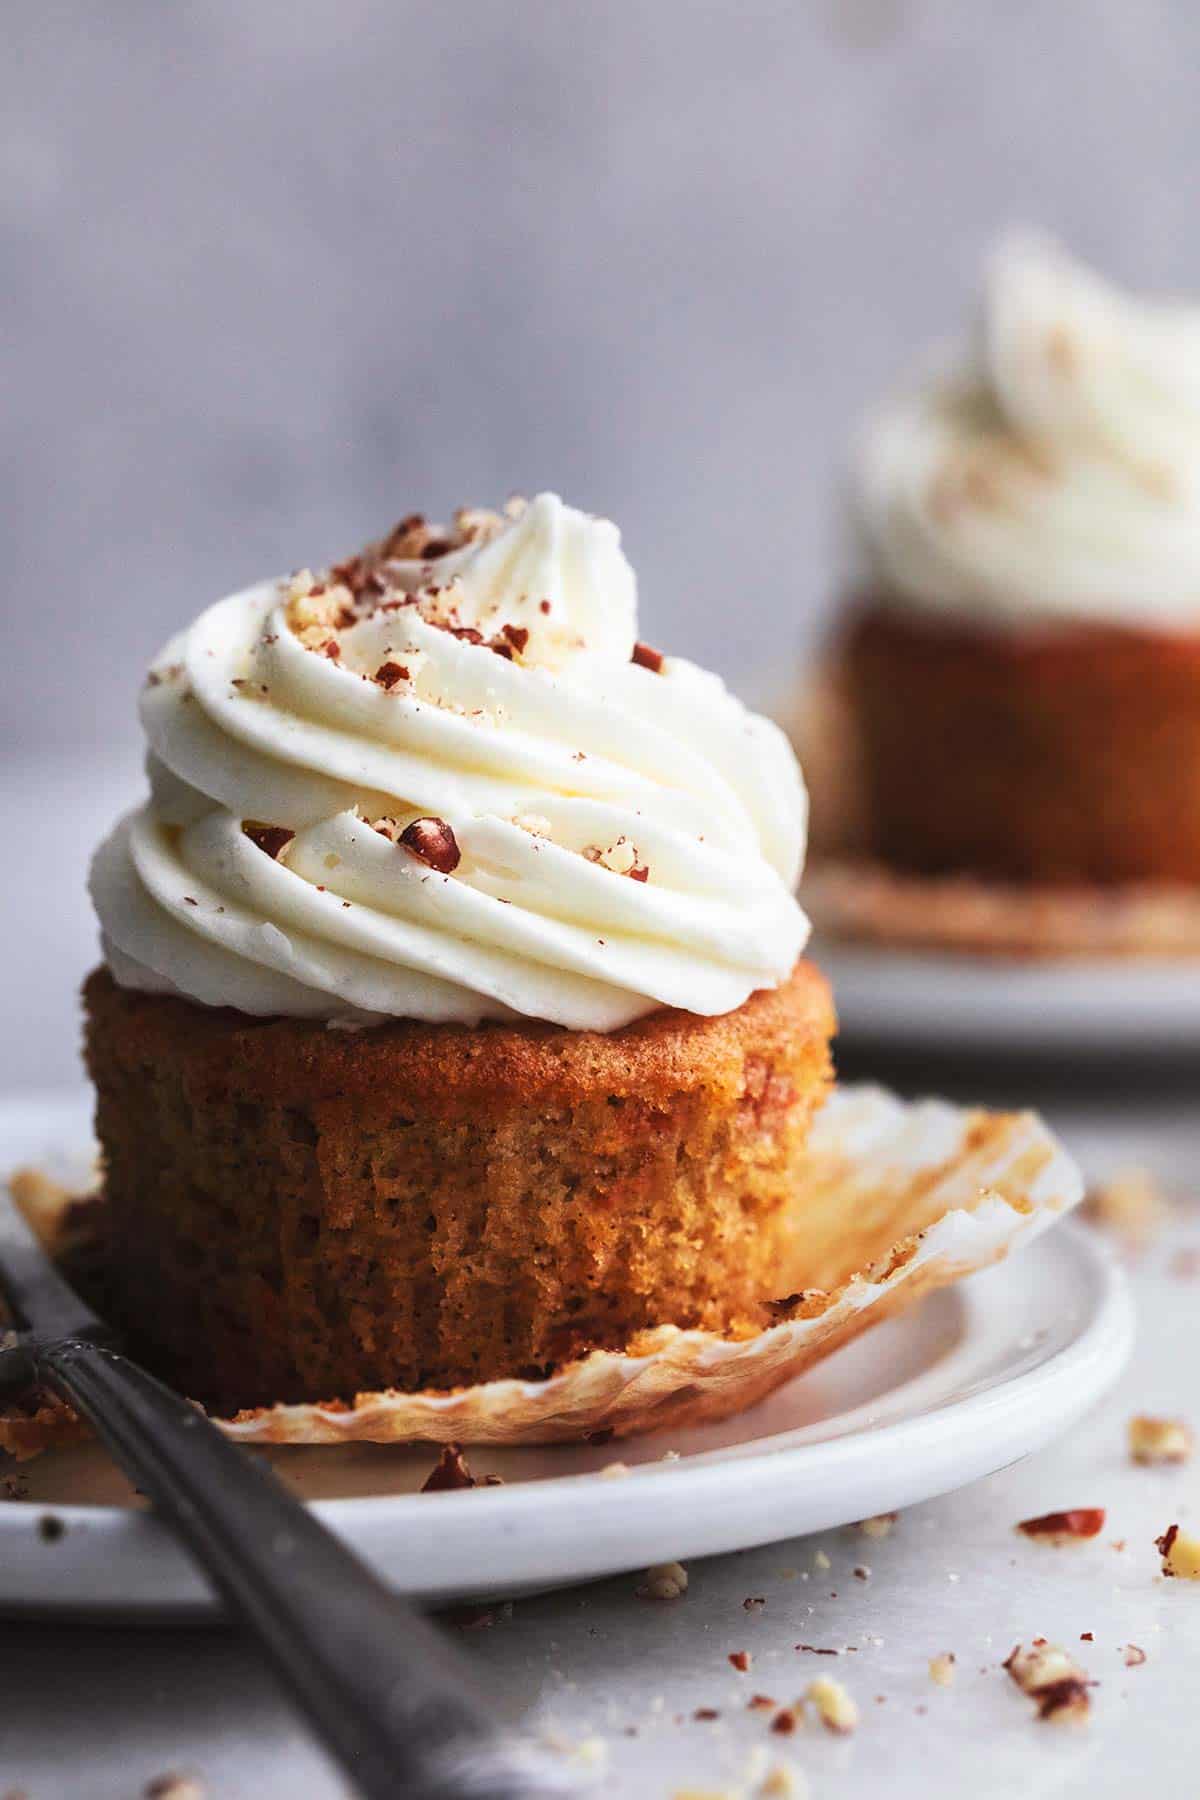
[444, 782]
[554, 572]
[1052, 471]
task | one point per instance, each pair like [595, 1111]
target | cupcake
[452, 1019]
[1021, 669]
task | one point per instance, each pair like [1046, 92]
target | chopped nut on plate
[941, 1669]
[1159, 1440]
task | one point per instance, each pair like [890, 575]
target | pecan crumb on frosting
[272, 839]
[647, 657]
[1063, 1527]
[389, 673]
[434, 843]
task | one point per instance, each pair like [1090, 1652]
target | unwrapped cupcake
[452, 1021]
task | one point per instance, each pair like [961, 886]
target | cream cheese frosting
[1051, 473]
[445, 782]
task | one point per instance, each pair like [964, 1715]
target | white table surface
[90, 1714]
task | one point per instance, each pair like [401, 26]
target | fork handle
[392, 1702]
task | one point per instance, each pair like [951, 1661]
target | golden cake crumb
[878, 1527]
[784, 1781]
[834, 1707]
[1159, 1440]
[665, 1581]
[1131, 1204]
[942, 1669]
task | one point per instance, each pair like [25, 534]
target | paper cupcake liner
[859, 901]
[910, 1197]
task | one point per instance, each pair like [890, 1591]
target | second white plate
[921, 1000]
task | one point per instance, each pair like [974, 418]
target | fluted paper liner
[863, 902]
[852, 897]
[896, 1200]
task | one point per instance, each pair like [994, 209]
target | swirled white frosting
[1053, 473]
[628, 837]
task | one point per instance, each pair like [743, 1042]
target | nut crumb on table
[1154, 1440]
[834, 1707]
[1051, 1678]
[1081, 1522]
[665, 1581]
[1180, 1552]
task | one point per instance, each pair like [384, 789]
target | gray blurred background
[276, 271]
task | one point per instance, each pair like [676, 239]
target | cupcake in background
[1017, 684]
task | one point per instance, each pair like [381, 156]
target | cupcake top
[1050, 472]
[445, 781]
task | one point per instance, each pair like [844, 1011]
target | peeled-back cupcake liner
[908, 1196]
[865, 902]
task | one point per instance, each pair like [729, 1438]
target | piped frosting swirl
[1051, 473]
[445, 782]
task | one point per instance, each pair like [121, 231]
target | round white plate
[938, 1001]
[973, 1379]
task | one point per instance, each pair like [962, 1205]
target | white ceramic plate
[973, 1379]
[922, 1000]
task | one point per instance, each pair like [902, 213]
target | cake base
[299, 1213]
[893, 1200]
[1066, 757]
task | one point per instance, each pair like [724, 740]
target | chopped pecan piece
[647, 657]
[1063, 1527]
[434, 843]
[271, 839]
[452, 1471]
[389, 673]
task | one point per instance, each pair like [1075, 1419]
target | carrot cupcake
[1022, 668]
[452, 1018]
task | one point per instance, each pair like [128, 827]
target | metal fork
[393, 1703]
